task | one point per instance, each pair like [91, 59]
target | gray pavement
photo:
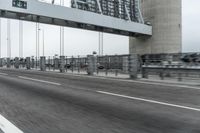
[45, 102]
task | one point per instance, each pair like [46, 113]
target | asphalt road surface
[45, 102]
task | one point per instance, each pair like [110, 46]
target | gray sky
[81, 42]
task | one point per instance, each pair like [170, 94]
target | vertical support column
[56, 63]
[28, 63]
[8, 62]
[133, 66]
[125, 65]
[32, 62]
[62, 64]
[42, 63]
[1, 62]
[16, 63]
[92, 61]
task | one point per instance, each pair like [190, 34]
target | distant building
[166, 18]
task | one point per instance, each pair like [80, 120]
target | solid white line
[38, 80]
[8, 127]
[5, 74]
[150, 101]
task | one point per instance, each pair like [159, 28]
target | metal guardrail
[170, 71]
[91, 64]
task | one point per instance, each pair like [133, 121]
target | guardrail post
[144, 73]
[1, 62]
[56, 62]
[133, 66]
[8, 62]
[92, 61]
[28, 63]
[16, 63]
[62, 64]
[42, 63]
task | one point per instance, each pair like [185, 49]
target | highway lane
[73, 105]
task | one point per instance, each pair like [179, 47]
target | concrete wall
[166, 19]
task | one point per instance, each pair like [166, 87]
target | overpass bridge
[36, 11]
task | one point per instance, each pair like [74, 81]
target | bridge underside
[64, 16]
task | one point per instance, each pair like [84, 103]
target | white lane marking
[8, 127]
[5, 74]
[38, 80]
[150, 101]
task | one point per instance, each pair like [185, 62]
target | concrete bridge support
[16, 63]
[133, 66]
[1, 62]
[43, 63]
[28, 63]
[92, 64]
[166, 18]
[62, 64]
[56, 63]
[8, 61]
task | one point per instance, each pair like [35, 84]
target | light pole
[8, 39]
[0, 37]
[20, 39]
[62, 34]
[101, 43]
[43, 41]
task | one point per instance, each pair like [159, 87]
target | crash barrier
[91, 64]
[185, 59]
[178, 72]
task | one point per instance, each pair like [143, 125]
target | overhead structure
[124, 9]
[110, 17]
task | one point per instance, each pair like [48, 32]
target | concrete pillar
[166, 19]
[28, 63]
[1, 62]
[8, 62]
[56, 63]
[32, 63]
[125, 64]
[16, 63]
[42, 63]
[133, 66]
[92, 64]
[62, 64]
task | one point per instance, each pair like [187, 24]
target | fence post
[133, 66]
[62, 64]
[28, 63]
[42, 63]
[16, 65]
[91, 64]
[144, 73]
[1, 62]
[8, 62]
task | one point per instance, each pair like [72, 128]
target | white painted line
[38, 80]
[150, 101]
[8, 127]
[5, 74]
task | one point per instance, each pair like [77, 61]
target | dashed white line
[150, 101]
[38, 80]
[5, 74]
[7, 127]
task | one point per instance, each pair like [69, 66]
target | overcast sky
[81, 42]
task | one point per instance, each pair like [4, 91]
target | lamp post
[61, 34]
[8, 39]
[43, 41]
[0, 37]
[20, 39]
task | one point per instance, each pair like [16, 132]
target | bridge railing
[109, 65]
